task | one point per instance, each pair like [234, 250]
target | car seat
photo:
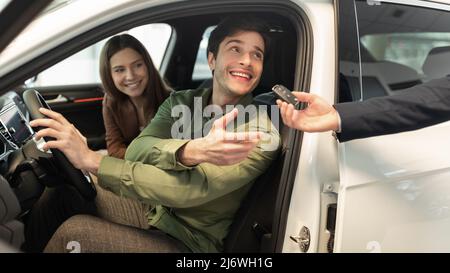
[437, 63]
[11, 230]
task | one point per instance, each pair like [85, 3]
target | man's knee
[72, 233]
[86, 233]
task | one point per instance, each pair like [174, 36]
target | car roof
[69, 18]
[15, 16]
[56, 26]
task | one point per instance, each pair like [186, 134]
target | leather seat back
[437, 63]
[11, 230]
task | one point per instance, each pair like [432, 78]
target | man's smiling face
[238, 64]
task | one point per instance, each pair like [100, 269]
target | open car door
[394, 193]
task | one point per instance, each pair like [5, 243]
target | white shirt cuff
[339, 123]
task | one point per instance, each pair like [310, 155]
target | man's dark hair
[233, 24]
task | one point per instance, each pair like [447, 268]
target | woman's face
[129, 72]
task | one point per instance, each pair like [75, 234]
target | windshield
[54, 5]
[3, 4]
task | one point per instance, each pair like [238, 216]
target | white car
[381, 194]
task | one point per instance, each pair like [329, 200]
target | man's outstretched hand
[219, 147]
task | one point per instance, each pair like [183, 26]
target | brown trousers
[111, 224]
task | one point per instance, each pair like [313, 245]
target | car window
[201, 68]
[349, 57]
[398, 47]
[83, 67]
[409, 49]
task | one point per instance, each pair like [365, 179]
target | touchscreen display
[16, 125]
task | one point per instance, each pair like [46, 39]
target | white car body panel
[315, 165]
[394, 194]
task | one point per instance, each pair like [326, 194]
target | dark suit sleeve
[414, 108]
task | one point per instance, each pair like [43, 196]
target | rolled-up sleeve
[180, 189]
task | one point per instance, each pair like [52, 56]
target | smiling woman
[316, 196]
[134, 91]
[68, 31]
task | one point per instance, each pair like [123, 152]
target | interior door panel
[82, 106]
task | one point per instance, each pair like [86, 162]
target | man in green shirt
[195, 179]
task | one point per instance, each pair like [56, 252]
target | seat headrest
[393, 73]
[208, 83]
[437, 63]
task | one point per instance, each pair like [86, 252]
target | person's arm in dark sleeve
[414, 108]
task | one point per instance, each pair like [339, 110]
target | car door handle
[59, 99]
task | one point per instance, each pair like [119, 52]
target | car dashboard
[15, 130]
[23, 165]
[19, 187]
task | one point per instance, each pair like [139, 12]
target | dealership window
[396, 47]
[201, 68]
[83, 67]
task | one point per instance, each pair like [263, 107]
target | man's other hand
[220, 147]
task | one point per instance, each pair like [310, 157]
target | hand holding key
[318, 116]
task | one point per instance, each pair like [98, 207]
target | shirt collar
[245, 100]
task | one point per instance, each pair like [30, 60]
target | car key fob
[285, 94]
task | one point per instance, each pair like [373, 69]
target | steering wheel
[33, 100]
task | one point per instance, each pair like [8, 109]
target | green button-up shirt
[193, 204]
